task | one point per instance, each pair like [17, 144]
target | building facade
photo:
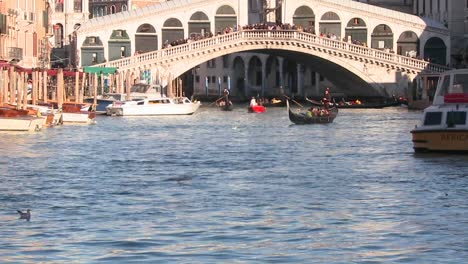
[451, 13]
[65, 18]
[454, 15]
[23, 32]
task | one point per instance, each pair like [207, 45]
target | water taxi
[444, 124]
[153, 106]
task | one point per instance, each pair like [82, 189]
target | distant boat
[444, 126]
[153, 106]
[257, 109]
[223, 106]
[303, 117]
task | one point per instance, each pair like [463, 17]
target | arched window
[77, 6]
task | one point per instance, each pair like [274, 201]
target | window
[225, 79]
[462, 81]
[445, 84]
[432, 118]
[456, 118]
[213, 79]
[211, 63]
[122, 51]
[197, 78]
[77, 6]
[225, 61]
[94, 60]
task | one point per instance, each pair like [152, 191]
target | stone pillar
[246, 80]
[317, 83]
[424, 88]
[300, 78]
[263, 78]
[281, 73]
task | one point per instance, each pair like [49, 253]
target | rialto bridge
[360, 49]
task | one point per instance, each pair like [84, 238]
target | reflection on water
[232, 187]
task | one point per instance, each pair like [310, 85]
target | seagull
[26, 215]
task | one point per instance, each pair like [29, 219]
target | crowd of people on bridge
[271, 27]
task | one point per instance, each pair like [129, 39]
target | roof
[122, 16]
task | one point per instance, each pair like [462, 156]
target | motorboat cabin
[444, 126]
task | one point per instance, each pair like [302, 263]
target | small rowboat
[257, 109]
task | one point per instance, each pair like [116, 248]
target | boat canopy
[100, 70]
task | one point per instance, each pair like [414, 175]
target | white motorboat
[153, 106]
[444, 125]
[137, 91]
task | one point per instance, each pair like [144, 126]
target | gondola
[224, 104]
[348, 105]
[369, 105]
[301, 118]
[225, 107]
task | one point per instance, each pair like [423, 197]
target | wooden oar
[287, 97]
[314, 102]
[216, 100]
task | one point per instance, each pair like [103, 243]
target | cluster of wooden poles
[59, 86]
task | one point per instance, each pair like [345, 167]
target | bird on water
[26, 215]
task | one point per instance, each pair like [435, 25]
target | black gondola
[301, 118]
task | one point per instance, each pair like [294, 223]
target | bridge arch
[304, 17]
[330, 23]
[273, 72]
[238, 78]
[172, 30]
[225, 17]
[119, 45]
[382, 37]
[199, 24]
[254, 73]
[146, 39]
[356, 29]
[92, 51]
[408, 44]
[435, 50]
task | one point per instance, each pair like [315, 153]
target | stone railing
[386, 59]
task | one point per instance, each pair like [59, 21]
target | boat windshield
[460, 84]
[139, 88]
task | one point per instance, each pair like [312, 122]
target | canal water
[232, 187]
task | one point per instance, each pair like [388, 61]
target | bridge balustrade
[240, 37]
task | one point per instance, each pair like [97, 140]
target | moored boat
[77, 113]
[137, 91]
[19, 120]
[322, 116]
[444, 125]
[153, 106]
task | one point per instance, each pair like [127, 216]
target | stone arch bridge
[327, 34]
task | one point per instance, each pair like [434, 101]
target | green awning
[100, 70]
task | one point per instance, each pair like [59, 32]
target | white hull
[21, 123]
[82, 118]
[146, 108]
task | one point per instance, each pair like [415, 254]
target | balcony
[15, 54]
